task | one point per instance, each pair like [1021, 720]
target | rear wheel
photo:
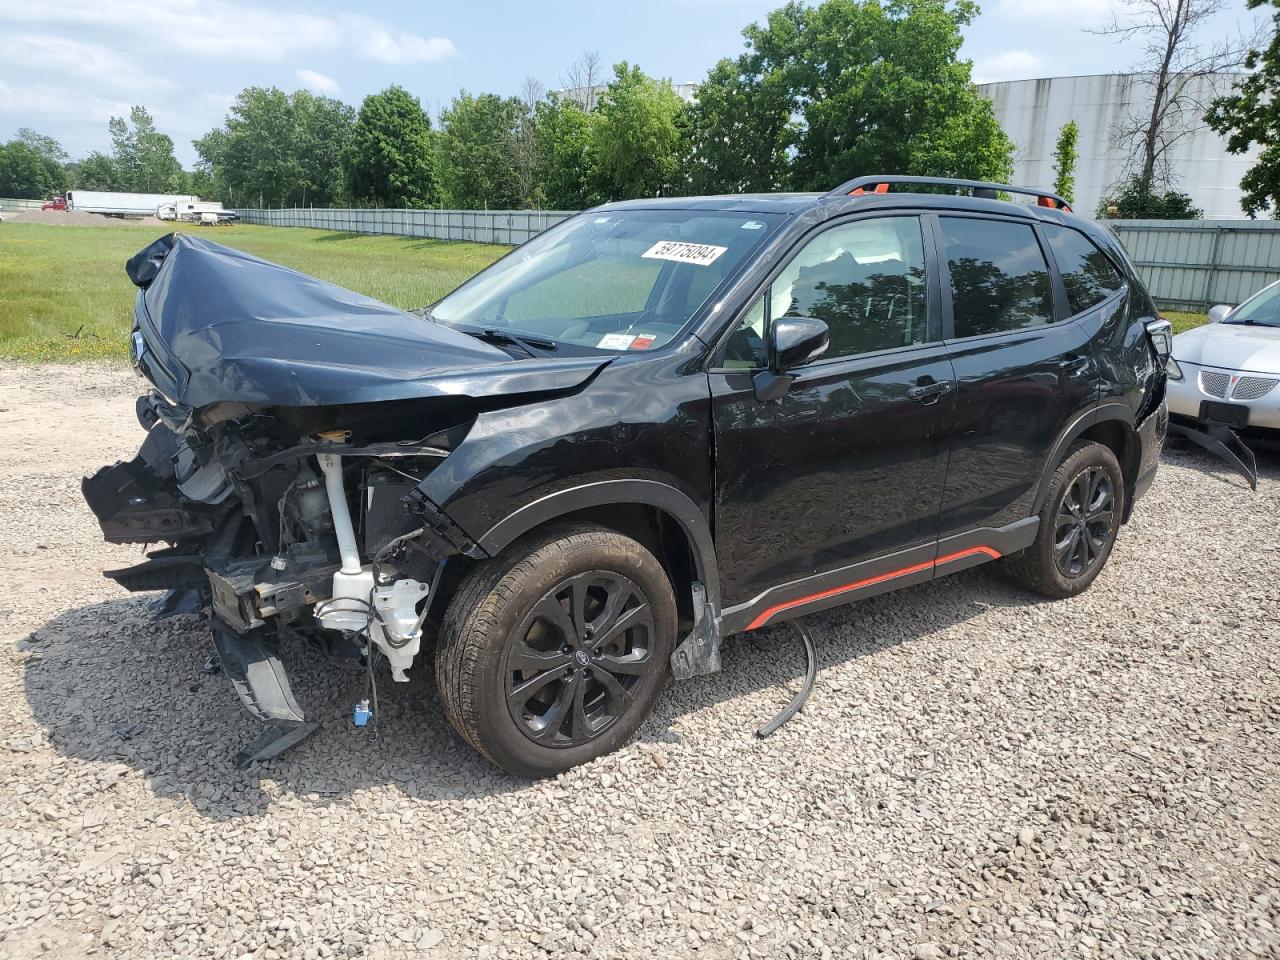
[553, 653]
[1078, 525]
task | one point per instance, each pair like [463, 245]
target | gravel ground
[978, 774]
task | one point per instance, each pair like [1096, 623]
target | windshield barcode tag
[700, 254]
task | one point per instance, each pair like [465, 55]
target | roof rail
[859, 186]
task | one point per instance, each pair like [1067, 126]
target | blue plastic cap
[362, 713]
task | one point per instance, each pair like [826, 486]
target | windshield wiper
[529, 345]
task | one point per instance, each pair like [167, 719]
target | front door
[842, 475]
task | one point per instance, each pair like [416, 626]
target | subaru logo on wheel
[582, 657]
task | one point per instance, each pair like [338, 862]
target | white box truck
[124, 204]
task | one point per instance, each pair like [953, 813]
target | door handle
[925, 391]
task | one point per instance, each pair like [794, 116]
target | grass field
[64, 295]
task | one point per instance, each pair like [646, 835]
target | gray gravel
[978, 774]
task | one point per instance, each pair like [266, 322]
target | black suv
[658, 424]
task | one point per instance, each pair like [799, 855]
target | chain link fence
[480, 226]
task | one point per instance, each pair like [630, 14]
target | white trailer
[196, 211]
[124, 204]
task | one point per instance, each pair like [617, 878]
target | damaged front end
[290, 427]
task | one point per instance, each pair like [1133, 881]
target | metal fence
[1187, 264]
[1194, 264]
[12, 203]
[480, 226]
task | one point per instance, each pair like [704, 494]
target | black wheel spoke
[635, 617]
[524, 657]
[615, 690]
[561, 709]
[581, 722]
[551, 612]
[632, 664]
[520, 695]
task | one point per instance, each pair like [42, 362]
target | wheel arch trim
[651, 493]
[1103, 413]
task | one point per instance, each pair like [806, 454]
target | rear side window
[999, 277]
[1087, 273]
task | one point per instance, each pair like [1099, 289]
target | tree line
[818, 95]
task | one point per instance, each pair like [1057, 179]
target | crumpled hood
[1232, 346]
[221, 325]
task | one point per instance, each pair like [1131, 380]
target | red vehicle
[56, 203]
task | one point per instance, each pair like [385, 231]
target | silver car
[1227, 371]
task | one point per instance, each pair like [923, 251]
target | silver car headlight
[137, 347]
[1173, 370]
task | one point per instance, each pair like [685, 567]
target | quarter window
[1087, 273]
[999, 277]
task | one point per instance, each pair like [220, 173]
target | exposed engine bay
[289, 426]
[272, 527]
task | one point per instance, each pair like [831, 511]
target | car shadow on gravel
[109, 684]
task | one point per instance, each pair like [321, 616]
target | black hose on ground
[806, 688]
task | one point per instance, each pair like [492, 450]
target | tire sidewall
[553, 563]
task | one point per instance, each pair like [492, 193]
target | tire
[1086, 493]
[512, 634]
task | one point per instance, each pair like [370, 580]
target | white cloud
[1010, 65]
[379, 43]
[106, 68]
[318, 82]
[227, 30]
[32, 102]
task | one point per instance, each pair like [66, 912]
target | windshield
[1263, 310]
[612, 281]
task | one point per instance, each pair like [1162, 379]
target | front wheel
[1078, 525]
[553, 653]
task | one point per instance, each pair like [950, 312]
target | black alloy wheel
[554, 652]
[576, 657]
[1084, 522]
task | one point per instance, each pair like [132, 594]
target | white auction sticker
[701, 254]
[616, 341]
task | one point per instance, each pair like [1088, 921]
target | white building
[1033, 111]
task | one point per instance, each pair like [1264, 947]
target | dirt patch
[77, 218]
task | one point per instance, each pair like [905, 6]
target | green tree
[1064, 161]
[478, 151]
[845, 88]
[23, 172]
[278, 149]
[1250, 115]
[1139, 199]
[97, 171]
[742, 127]
[51, 152]
[562, 150]
[636, 139]
[143, 156]
[389, 159]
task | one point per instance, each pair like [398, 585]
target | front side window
[611, 281]
[999, 277]
[1087, 273]
[865, 280]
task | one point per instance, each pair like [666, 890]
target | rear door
[1024, 368]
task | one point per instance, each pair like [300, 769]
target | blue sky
[68, 65]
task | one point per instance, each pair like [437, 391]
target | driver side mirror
[1219, 313]
[794, 341]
